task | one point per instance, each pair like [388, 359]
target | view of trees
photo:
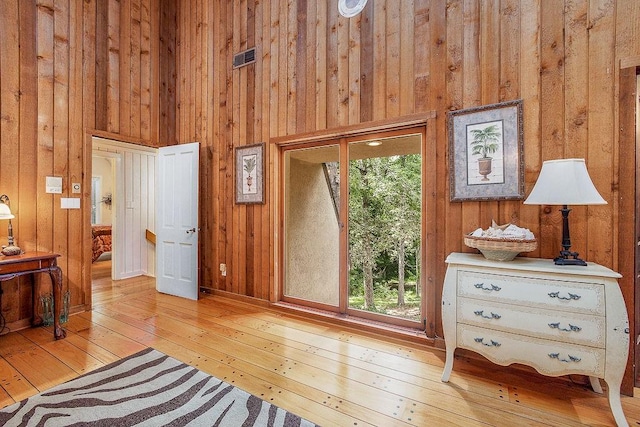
[384, 234]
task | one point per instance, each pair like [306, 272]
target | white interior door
[177, 220]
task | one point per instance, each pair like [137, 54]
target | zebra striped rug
[148, 388]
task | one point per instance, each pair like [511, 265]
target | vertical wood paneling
[438, 101]
[311, 52]
[576, 80]
[11, 308]
[600, 156]
[491, 41]
[168, 120]
[470, 74]
[551, 116]
[332, 101]
[321, 69]
[510, 21]
[26, 230]
[45, 108]
[146, 71]
[379, 59]
[366, 64]
[113, 82]
[392, 61]
[342, 71]
[408, 50]
[135, 69]
[124, 64]
[74, 248]
[9, 112]
[454, 32]
[61, 126]
[530, 53]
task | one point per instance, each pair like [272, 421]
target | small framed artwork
[486, 150]
[250, 174]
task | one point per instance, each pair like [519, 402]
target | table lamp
[565, 182]
[5, 213]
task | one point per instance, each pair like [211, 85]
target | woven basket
[500, 249]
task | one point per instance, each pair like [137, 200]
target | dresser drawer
[576, 328]
[547, 357]
[570, 296]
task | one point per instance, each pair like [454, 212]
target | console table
[32, 263]
[557, 319]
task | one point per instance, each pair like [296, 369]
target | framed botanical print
[486, 152]
[249, 165]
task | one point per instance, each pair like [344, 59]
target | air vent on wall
[244, 58]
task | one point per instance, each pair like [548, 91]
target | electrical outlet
[223, 269]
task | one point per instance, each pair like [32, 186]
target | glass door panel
[312, 225]
[384, 221]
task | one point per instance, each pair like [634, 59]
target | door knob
[191, 230]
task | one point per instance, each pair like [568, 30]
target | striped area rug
[148, 388]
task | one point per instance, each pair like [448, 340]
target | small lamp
[5, 213]
[565, 182]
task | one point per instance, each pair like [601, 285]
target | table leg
[56, 284]
[36, 319]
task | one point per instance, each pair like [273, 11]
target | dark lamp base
[569, 258]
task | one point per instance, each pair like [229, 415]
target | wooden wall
[69, 69]
[316, 70]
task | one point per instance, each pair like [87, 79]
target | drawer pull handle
[492, 288]
[491, 343]
[571, 328]
[569, 360]
[567, 298]
[492, 316]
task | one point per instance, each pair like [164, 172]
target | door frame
[423, 121]
[87, 239]
[628, 181]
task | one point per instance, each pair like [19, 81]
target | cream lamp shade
[564, 182]
[5, 212]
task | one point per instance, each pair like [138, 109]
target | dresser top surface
[532, 264]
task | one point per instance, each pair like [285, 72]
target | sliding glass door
[352, 227]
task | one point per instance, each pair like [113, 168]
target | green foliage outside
[384, 234]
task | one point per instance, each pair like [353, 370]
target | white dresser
[557, 319]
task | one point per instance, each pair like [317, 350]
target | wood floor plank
[75, 358]
[25, 355]
[15, 386]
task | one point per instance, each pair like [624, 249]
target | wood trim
[121, 138]
[631, 61]
[350, 131]
[429, 271]
[627, 210]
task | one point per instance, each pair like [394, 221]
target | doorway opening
[353, 226]
[122, 209]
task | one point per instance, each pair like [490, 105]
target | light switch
[70, 203]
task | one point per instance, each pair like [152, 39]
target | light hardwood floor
[331, 375]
